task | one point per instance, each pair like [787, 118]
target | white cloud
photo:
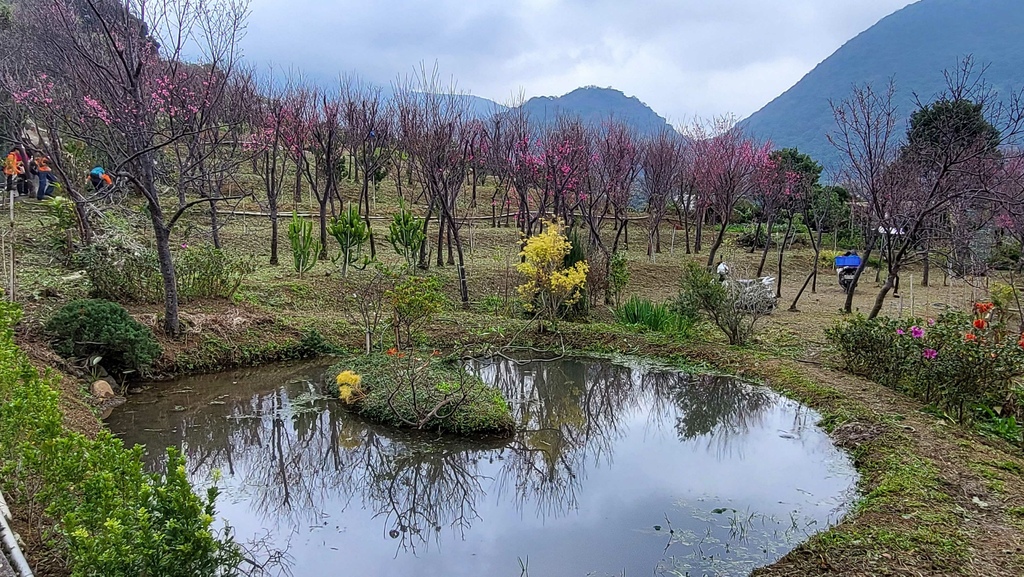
[682, 57]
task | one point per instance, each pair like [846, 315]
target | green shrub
[204, 271]
[425, 392]
[95, 327]
[618, 272]
[63, 222]
[657, 317]
[414, 302]
[959, 363]
[305, 248]
[351, 232]
[98, 509]
[406, 235]
[120, 270]
[729, 306]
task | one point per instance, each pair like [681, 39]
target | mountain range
[912, 46]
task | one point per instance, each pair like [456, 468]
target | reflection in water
[603, 452]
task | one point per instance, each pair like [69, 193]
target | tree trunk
[927, 267]
[717, 244]
[297, 195]
[463, 283]
[366, 218]
[698, 238]
[273, 232]
[757, 235]
[880, 299]
[767, 247]
[814, 273]
[848, 306]
[782, 251]
[215, 220]
[323, 226]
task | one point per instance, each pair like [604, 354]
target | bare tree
[435, 133]
[662, 163]
[728, 165]
[370, 122]
[326, 143]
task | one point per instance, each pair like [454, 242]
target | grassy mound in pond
[419, 392]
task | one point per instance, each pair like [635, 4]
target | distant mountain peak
[594, 105]
[914, 45]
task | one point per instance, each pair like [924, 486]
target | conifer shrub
[100, 328]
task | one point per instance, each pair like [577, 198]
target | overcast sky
[682, 57]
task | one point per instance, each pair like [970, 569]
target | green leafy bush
[95, 504]
[63, 221]
[95, 327]
[618, 273]
[414, 302]
[205, 271]
[122, 270]
[959, 363]
[657, 317]
[727, 305]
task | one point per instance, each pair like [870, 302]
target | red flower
[391, 352]
[980, 324]
[969, 337]
[983, 308]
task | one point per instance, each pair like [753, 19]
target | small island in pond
[419, 391]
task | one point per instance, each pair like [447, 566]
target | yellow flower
[349, 390]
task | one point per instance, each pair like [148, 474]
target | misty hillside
[913, 46]
[596, 105]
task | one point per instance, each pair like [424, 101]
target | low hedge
[101, 511]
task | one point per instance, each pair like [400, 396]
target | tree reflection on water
[293, 454]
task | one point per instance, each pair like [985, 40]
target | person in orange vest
[40, 166]
[14, 169]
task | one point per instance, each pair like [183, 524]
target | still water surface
[616, 469]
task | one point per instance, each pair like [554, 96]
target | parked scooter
[846, 267]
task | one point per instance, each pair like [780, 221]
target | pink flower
[931, 322]
[916, 332]
[900, 332]
[930, 353]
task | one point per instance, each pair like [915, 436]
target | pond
[616, 469]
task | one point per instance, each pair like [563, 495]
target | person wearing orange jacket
[14, 170]
[40, 166]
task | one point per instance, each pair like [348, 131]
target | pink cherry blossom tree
[121, 71]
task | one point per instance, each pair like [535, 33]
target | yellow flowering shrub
[550, 285]
[349, 389]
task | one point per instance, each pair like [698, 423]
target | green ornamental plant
[964, 365]
[351, 232]
[414, 302]
[406, 235]
[91, 498]
[305, 247]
